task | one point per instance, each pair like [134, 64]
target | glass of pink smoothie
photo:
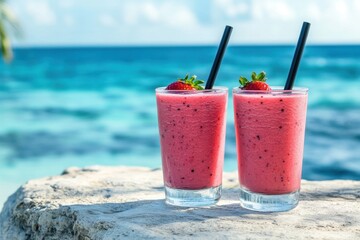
[192, 136]
[270, 130]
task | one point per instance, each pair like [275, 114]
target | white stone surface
[125, 202]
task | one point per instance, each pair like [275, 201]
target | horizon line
[185, 45]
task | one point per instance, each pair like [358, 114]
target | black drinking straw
[297, 56]
[219, 56]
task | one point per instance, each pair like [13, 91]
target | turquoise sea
[62, 107]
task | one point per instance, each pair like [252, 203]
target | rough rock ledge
[126, 202]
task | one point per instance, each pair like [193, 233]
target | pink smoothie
[192, 136]
[270, 131]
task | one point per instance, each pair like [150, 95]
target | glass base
[192, 198]
[268, 203]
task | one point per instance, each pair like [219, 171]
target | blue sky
[170, 22]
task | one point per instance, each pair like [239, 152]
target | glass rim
[214, 89]
[274, 89]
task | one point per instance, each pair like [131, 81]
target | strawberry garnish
[258, 82]
[186, 84]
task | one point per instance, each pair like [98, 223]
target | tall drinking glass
[192, 136]
[270, 130]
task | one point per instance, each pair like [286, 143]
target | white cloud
[41, 12]
[165, 14]
[356, 4]
[313, 11]
[340, 10]
[107, 20]
[273, 10]
[181, 17]
[173, 21]
[151, 12]
[232, 8]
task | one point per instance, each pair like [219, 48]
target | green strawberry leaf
[243, 81]
[197, 82]
[253, 76]
[193, 81]
[261, 76]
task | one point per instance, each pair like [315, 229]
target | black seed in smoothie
[201, 126]
[261, 102]
[173, 136]
[174, 124]
[184, 103]
[195, 110]
[282, 179]
[265, 150]
[182, 136]
[188, 105]
[208, 167]
[178, 109]
[280, 100]
[192, 170]
[202, 161]
[182, 178]
[260, 157]
[280, 127]
[282, 110]
[258, 137]
[283, 161]
[210, 174]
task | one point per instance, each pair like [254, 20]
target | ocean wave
[28, 145]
